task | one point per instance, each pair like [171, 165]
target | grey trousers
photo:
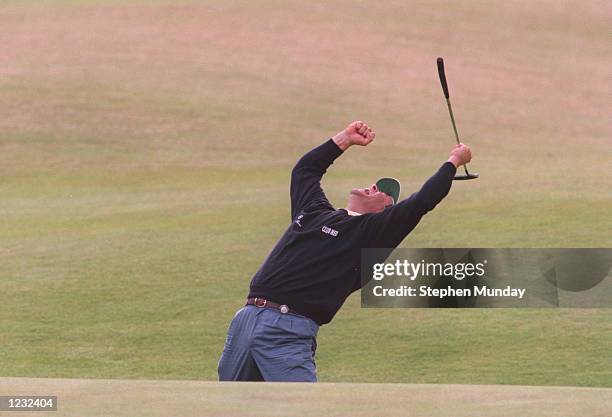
[264, 344]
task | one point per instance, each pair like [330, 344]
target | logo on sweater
[329, 231]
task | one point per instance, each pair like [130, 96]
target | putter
[467, 176]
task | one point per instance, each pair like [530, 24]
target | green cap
[391, 187]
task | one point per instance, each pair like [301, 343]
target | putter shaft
[450, 111]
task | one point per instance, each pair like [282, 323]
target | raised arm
[307, 173]
[389, 227]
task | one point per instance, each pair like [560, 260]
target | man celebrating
[315, 265]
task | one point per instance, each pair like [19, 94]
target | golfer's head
[368, 200]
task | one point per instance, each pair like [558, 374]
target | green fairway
[118, 398]
[145, 154]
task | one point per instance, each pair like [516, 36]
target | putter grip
[442, 77]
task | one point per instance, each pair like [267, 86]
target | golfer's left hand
[460, 155]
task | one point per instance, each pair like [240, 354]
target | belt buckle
[260, 305]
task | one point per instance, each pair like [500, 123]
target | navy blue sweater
[315, 265]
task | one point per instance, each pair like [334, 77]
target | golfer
[315, 265]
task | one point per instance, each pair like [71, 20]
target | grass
[145, 151]
[76, 397]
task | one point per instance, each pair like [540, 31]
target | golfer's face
[373, 198]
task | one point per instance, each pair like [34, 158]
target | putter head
[470, 176]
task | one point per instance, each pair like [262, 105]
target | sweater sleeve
[389, 227]
[306, 176]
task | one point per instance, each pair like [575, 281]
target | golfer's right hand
[359, 133]
[460, 155]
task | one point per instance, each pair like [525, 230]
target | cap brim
[391, 187]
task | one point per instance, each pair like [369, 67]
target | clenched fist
[357, 133]
[460, 155]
